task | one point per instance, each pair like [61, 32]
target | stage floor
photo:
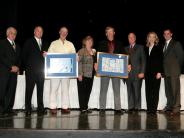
[95, 121]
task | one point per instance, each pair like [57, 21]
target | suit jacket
[32, 56]
[8, 56]
[154, 61]
[137, 60]
[173, 59]
[103, 47]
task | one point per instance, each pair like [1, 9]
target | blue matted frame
[112, 58]
[71, 63]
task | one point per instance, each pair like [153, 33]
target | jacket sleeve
[3, 56]
[143, 60]
[179, 53]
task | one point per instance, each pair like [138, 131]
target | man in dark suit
[33, 62]
[110, 46]
[134, 81]
[9, 68]
[172, 63]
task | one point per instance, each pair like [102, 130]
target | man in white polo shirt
[62, 46]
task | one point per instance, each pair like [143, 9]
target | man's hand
[44, 54]
[141, 75]
[129, 68]
[80, 78]
[14, 69]
[158, 76]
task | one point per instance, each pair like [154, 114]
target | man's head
[167, 34]
[63, 32]
[110, 32]
[11, 33]
[131, 38]
[38, 32]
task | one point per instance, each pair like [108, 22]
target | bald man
[61, 46]
[33, 60]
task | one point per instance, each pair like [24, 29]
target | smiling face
[63, 33]
[11, 33]
[38, 32]
[110, 33]
[131, 38]
[167, 34]
[151, 38]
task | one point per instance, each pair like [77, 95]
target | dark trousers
[152, 86]
[8, 83]
[84, 91]
[32, 79]
[134, 93]
[172, 91]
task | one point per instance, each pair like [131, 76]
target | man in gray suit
[172, 63]
[134, 81]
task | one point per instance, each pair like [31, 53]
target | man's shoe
[41, 112]
[130, 111]
[165, 111]
[11, 113]
[28, 113]
[89, 111]
[102, 111]
[118, 112]
[83, 111]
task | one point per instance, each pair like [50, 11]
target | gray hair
[9, 30]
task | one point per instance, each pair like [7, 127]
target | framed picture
[112, 65]
[61, 65]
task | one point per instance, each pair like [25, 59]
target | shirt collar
[10, 40]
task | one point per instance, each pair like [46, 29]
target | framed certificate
[61, 65]
[112, 65]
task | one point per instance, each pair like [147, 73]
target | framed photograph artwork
[61, 65]
[112, 65]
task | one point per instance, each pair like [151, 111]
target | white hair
[10, 29]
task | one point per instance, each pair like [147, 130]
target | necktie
[13, 45]
[165, 47]
[40, 43]
[131, 49]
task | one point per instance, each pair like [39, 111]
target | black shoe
[2, 115]
[151, 112]
[118, 112]
[89, 111]
[41, 112]
[83, 111]
[28, 113]
[165, 111]
[102, 111]
[11, 113]
[130, 111]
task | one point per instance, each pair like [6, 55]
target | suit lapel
[169, 47]
[36, 44]
[11, 47]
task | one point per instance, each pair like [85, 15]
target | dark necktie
[131, 49]
[165, 47]
[111, 47]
